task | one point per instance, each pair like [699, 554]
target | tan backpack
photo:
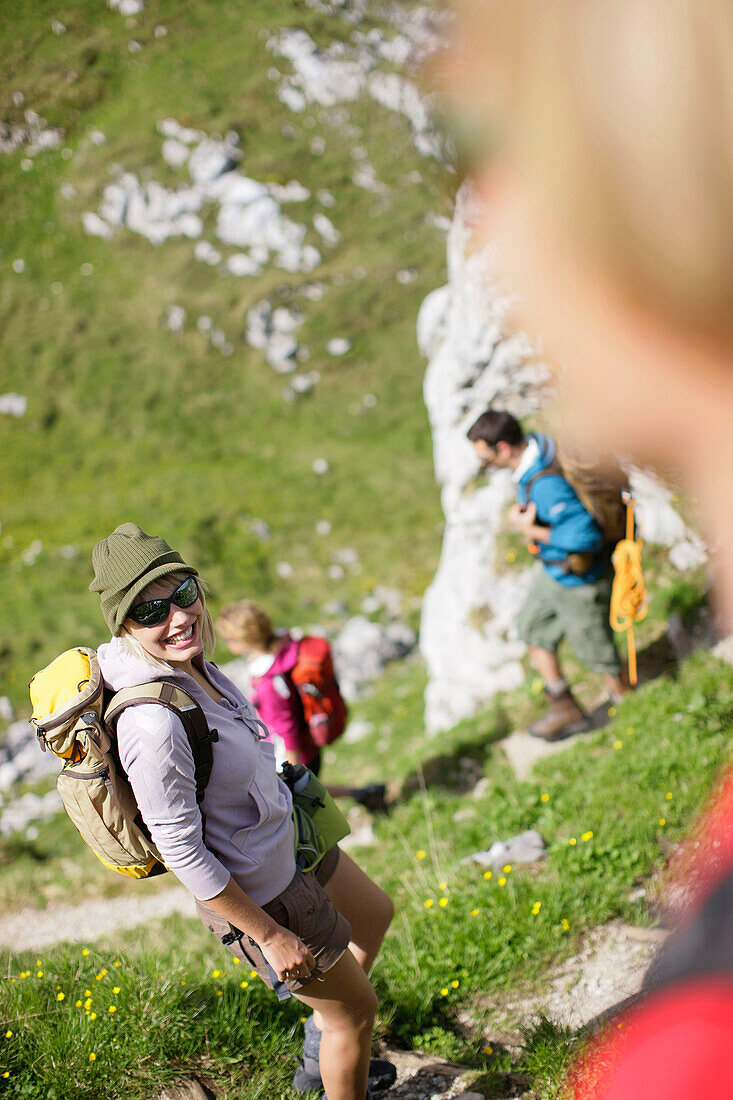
[76, 720]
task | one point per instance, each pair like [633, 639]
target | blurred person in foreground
[602, 148]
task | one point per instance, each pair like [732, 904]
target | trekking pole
[628, 596]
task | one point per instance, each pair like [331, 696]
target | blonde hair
[208, 634]
[246, 622]
[619, 115]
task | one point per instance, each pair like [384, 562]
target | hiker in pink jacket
[248, 631]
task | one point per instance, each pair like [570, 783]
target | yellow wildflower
[475, 912]
[39, 973]
[544, 797]
[488, 874]
[8, 1035]
[219, 993]
[501, 881]
[92, 1057]
[443, 886]
[455, 984]
[7, 1073]
[243, 985]
[116, 963]
[507, 868]
[444, 991]
[60, 996]
[565, 924]
[85, 951]
[429, 903]
[92, 1015]
[112, 1009]
[617, 744]
[253, 974]
[443, 902]
[488, 1049]
[588, 835]
[236, 961]
[116, 989]
[216, 973]
[611, 712]
[88, 1003]
[662, 822]
[536, 908]
[421, 854]
[77, 1004]
[87, 992]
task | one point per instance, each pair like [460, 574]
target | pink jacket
[278, 703]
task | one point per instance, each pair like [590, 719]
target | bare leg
[546, 663]
[617, 685]
[345, 1005]
[365, 905]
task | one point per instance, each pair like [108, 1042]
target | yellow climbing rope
[628, 596]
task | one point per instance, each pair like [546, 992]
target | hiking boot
[308, 1075]
[371, 798]
[382, 1075]
[562, 719]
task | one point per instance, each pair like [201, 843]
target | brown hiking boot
[563, 718]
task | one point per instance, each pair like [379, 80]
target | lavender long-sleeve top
[249, 830]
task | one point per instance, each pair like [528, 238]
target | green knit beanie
[127, 562]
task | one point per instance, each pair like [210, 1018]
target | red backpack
[315, 681]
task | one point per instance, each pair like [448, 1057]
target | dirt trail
[33, 929]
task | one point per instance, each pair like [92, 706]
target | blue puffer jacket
[572, 528]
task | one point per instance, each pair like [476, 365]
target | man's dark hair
[496, 426]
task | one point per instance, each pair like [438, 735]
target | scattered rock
[609, 968]
[363, 648]
[13, 404]
[126, 7]
[361, 837]
[21, 757]
[523, 751]
[320, 466]
[339, 345]
[175, 318]
[527, 847]
[357, 730]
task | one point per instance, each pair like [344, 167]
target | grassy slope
[488, 937]
[128, 421]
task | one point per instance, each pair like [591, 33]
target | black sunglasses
[155, 612]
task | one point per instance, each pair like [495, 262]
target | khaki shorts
[305, 909]
[553, 611]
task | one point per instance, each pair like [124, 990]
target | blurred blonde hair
[208, 633]
[246, 622]
[619, 116]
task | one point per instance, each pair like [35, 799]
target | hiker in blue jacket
[570, 592]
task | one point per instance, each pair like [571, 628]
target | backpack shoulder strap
[167, 694]
[554, 469]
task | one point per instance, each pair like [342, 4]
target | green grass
[128, 421]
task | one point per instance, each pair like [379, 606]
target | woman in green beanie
[313, 935]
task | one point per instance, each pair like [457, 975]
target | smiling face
[179, 637]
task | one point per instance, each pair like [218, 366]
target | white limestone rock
[468, 627]
[13, 404]
[363, 648]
